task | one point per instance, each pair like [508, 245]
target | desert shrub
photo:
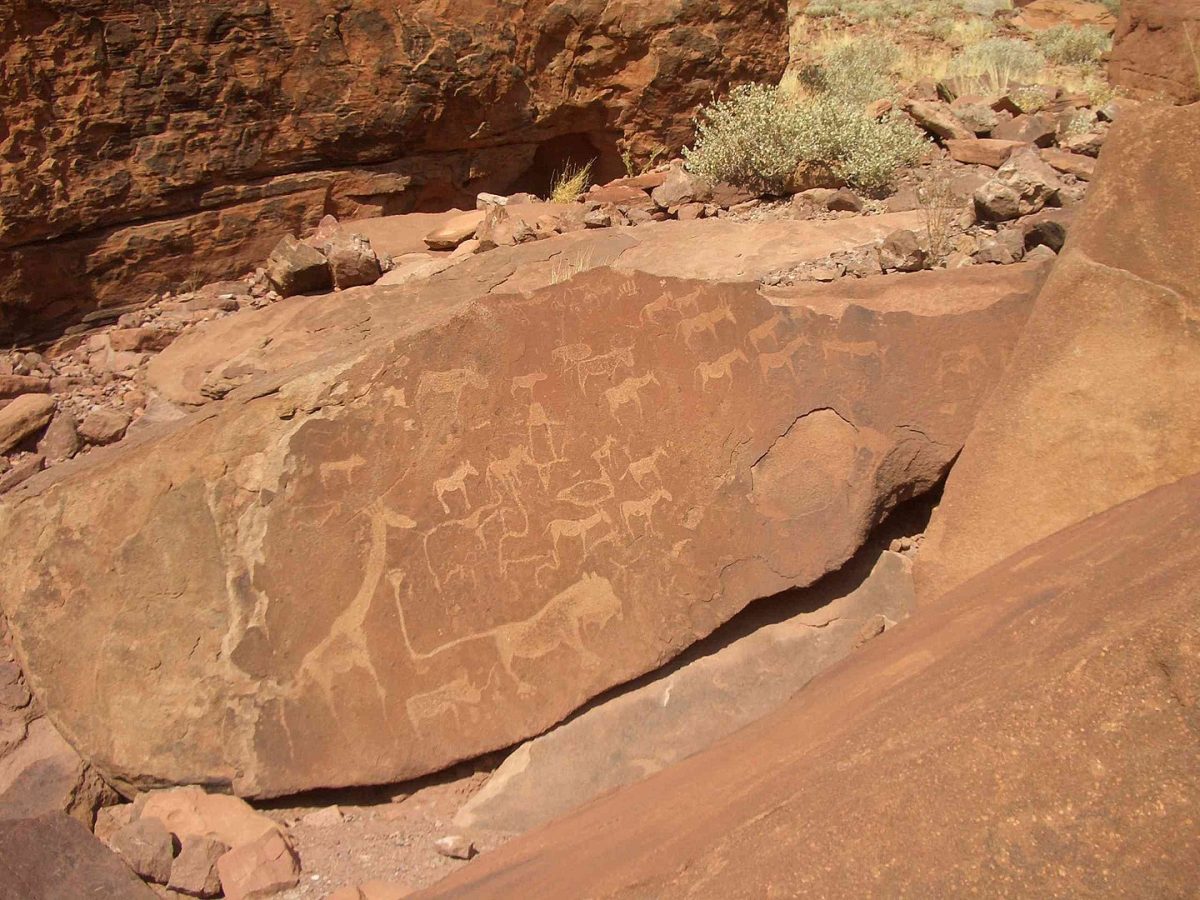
[758, 136]
[985, 7]
[1080, 122]
[1070, 46]
[1002, 60]
[858, 70]
[1113, 6]
[1030, 97]
[571, 183]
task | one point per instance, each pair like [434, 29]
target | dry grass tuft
[571, 183]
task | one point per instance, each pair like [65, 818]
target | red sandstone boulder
[1155, 50]
[447, 533]
[1004, 741]
[1096, 405]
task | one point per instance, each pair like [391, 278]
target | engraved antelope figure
[452, 381]
[578, 528]
[527, 383]
[720, 368]
[454, 483]
[640, 469]
[570, 354]
[628, 392]
[604, 366]
[704, 323]
[643, 509]
[767, 331]
[783, 359]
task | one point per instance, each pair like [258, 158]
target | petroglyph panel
[449, 539]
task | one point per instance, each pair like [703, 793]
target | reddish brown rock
[1096, 406]
[263, 867]
[104, 426]
[450, 234]
[16, 385]
[629, 479]
[1005, 741]
[24, 417]
[1155, 50]
[194, 870]
[296, 268]
[140, 340]
[53, 857]
[147, 848]
[1082, 167]
[239, 120]
[190, 812]
[1038, 15]
[938, 120]
[1027, 129]
[983, 151]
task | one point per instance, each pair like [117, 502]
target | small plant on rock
[1067, 45]
[858, 70]
[571, 183]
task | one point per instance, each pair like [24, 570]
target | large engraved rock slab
[444, 540]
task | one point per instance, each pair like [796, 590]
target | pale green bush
[1070, 46]
[1113, 6]
[1001, 60]
[859, 70]
[758, 136]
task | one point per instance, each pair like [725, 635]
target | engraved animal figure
[857, 349]
[720, 368]
[783, 359]
[604, 366]
[705, 323]
[643, 509]
[540, 428]
[667, 302]
[451, 382]
[589, 603]
[527, 383]
[628, 392]
[766, 332]
[446, 698]
[454, 483]
[578, 528]
[640, 469]
[570, 354]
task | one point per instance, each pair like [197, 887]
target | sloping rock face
[148, 145]
[690, 708]
[1033, 735]
[1097, 405]
[441, 541]
[1153, 56]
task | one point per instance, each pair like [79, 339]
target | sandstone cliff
[143, 145]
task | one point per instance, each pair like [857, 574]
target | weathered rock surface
[1032, 735]
[151, 145]
[691, 707]
[39, 771]
[54, 857]
[23, 417]
[1153, 57]
[259, 869]
[1096, 406]
[444, 538]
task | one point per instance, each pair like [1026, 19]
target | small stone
[1004, 247]
[61, 439]
[296, 268]
[194, 871]
[485, 200]
[1045, 233]
[1031, 129]
[1023, 185]
[323, 818]
[147, 847]
[20, 471]
[104, 426]
[901, 251]
[111, 819]
[141, 340]
[352, 262]
[690, 211]
[1040, 253]
[259, 868]
[1082, 167]
[681, 187]
[455, 846]
[990, 152]
[16, 385]
[24, 417]
[938, 120]
[597, 218]
[845, 201]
